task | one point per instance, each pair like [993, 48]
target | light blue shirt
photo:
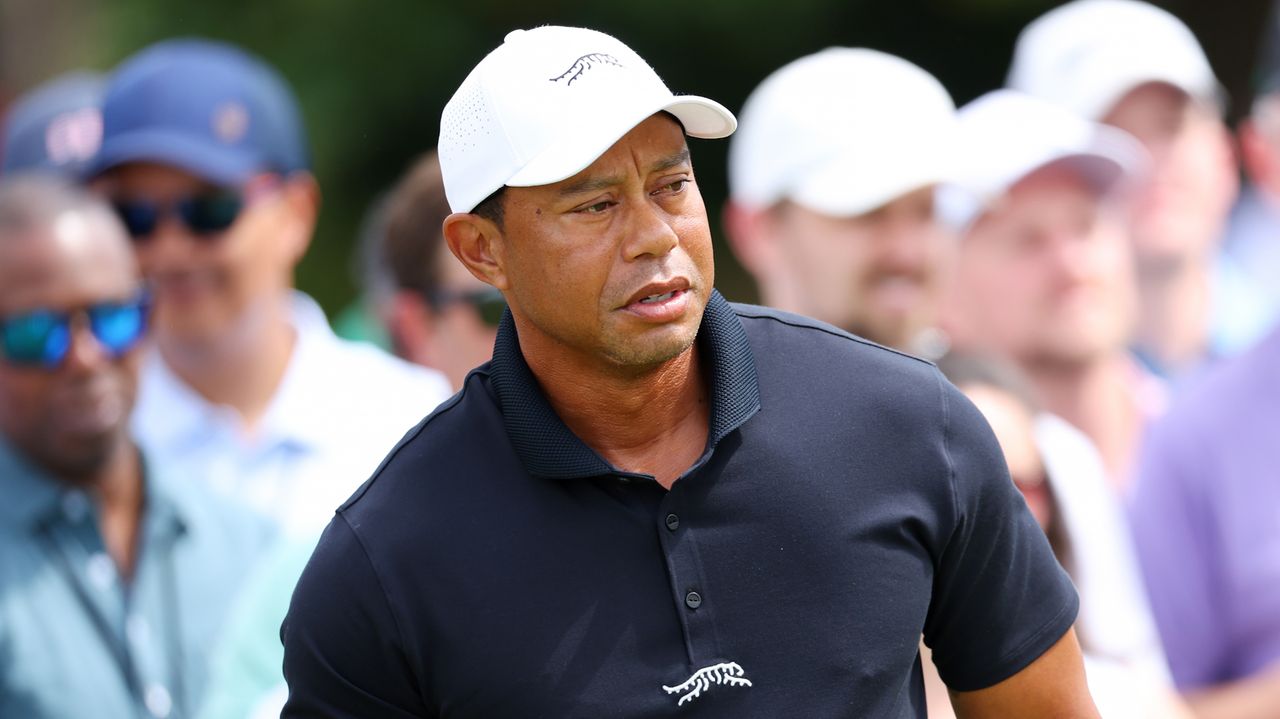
[340, 407]
[77, 639]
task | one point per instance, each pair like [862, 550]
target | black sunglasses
[488, 302]
[206, 214]
[42, 337]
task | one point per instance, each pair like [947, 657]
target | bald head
[63, 254]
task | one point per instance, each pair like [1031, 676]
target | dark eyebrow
[595, 184]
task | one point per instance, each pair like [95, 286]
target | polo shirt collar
[184, 417]
[32, 497]
[548, 448]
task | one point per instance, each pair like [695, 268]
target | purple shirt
[1205, 513]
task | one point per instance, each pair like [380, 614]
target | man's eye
[596, 208]
[676, 186]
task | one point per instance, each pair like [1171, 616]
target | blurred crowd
[1075, 250]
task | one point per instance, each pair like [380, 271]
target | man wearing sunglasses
[113, 576]
[203, 157]
[436, 313]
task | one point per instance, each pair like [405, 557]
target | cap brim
[847, 187]
[701, 118]
[219, 165]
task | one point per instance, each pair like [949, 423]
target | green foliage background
[372, 76]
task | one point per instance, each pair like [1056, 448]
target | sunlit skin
[575, 259]
[875, 274]
[1182, 205]
[72, 420]
[1046, 276]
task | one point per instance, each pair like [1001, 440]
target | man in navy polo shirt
[652, 502]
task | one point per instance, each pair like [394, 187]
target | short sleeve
[1168, 518]
[1000, 598]
[343, 655]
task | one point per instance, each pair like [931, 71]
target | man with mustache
[652, 502]
[832, 178]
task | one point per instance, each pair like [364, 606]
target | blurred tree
[373, 76]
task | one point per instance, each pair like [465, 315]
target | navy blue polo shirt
[848, 501]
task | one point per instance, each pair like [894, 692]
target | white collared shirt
[340, 407]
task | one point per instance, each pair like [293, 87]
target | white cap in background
[841, 132]
[1006, 135]
[546, 104]
[1088, 54]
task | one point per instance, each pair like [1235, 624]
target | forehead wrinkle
[595, 184]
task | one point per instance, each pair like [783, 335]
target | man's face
[1182, 206]
[1046, 275]
[614, 264]
[206, 286]
[874, 274]
[71, 418]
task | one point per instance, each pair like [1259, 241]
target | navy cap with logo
[55, 127]
[201, 106]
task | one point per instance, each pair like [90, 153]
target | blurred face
[612, 266]
[1014, 428]
[68, 419]
[874, 274]
[1045, 276]
[207, 285]
[463, 334]
[1181, 208]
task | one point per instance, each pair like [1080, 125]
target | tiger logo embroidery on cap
[724, 674]
[584, 63]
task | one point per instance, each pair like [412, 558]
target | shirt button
[158, 701]
[75, 506]
[673, 522]
[101, 571]
[693, 600]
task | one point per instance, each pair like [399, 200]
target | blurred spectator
[114, 573]
[436, 313]
[832, 175]
[1205, 512]
[1251, 249]
[204, 158]
[1063, 481]
[1138, 68]
[1044, 275]
[55, 127]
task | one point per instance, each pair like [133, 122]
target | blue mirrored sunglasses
[42, 338]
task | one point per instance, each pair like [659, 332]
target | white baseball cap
[546, 104]
[1006, 135]
[841, 132]
[1088, 54]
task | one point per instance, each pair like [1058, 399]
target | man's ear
[478, 244]
[301, 196]
[750, 237]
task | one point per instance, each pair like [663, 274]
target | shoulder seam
[946, 447]
[377, 576]
[409, 436]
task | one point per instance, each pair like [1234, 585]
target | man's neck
[654, 422]
[1173, 328]
[118, 493]
[1100, 399]
[242, 372]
